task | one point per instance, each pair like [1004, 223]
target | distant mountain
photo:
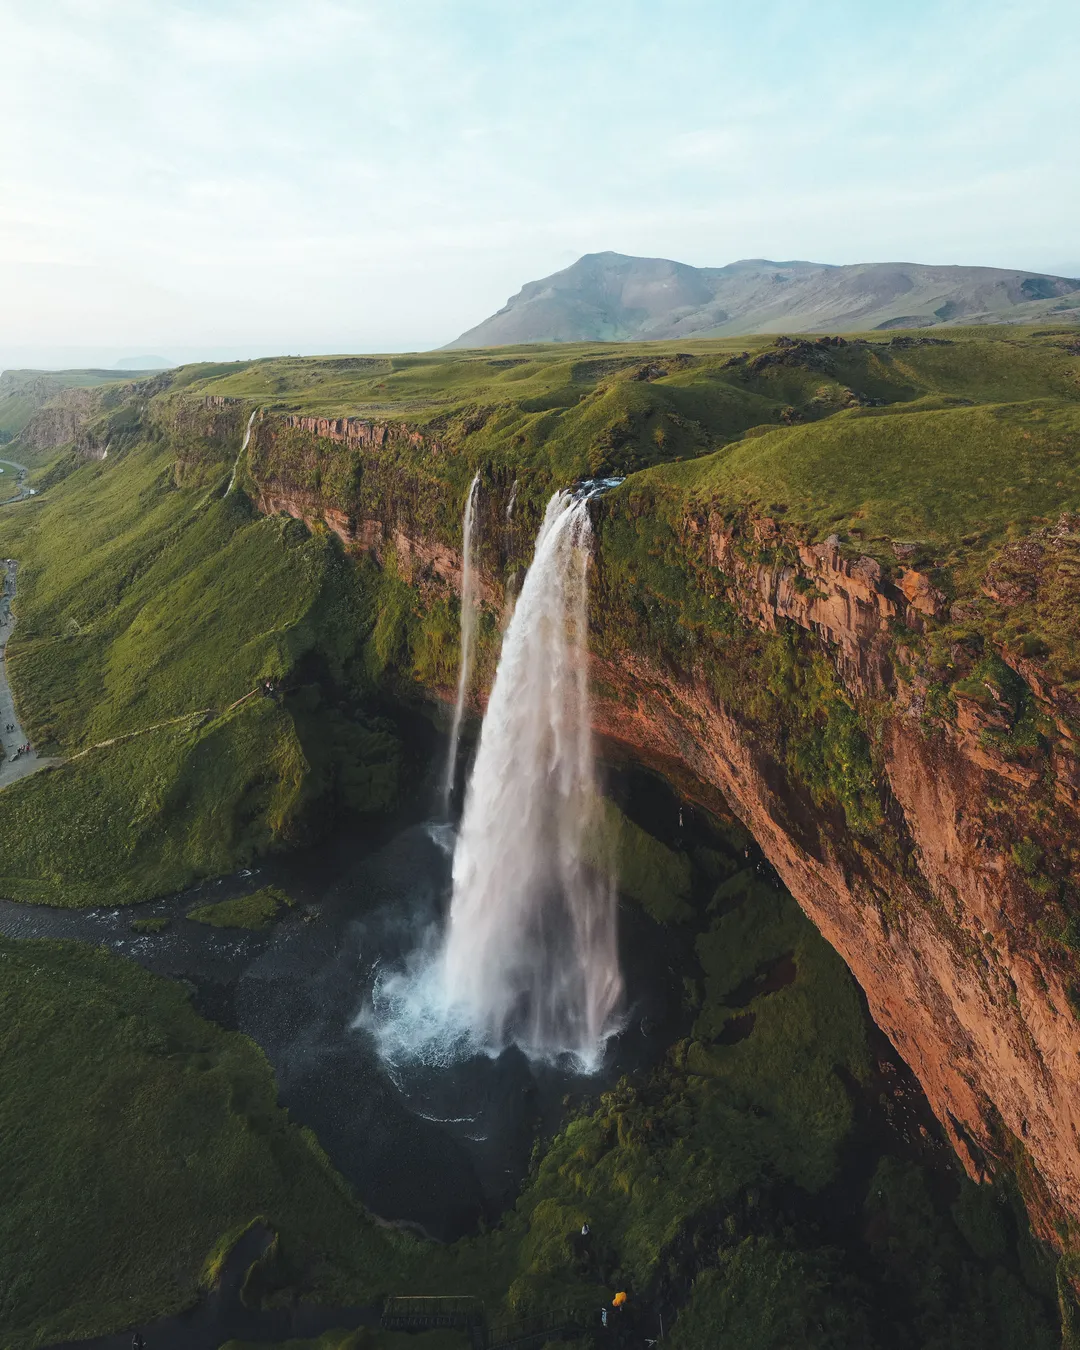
[616, 298]
[142, 363]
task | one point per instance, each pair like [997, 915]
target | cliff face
[374, 497]
[933, 849]
[60, 422]
[89, 419]
[936, 921]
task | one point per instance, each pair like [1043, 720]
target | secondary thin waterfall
[468, 630]
[530, 952]
[239, 453]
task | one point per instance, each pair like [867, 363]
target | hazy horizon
[240, 179]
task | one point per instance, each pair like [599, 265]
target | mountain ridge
[617, 297]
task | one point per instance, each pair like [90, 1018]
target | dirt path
[12, 767]
[10, 741]
[21, 472]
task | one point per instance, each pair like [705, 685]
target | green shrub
[763, 1296]
[1027, 855]
[149, 925]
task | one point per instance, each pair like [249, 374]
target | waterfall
[468, 629]
[529, 955]
[239, 453]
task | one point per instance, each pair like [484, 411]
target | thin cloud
[372, 174]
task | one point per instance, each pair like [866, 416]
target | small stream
[435, 1148]
[21, 474]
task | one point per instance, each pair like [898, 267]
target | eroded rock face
[68, 418]
[422, 562]
[985, 1023]
[361, 432]
[59, 423]
[372, 505]
[942, 927]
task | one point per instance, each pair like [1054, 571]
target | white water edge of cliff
[528, 954]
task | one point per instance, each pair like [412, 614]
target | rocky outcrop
[420, 561]
[844, 600]
[60, 423]
[940, 944]
[361, 433]
[377, 499]
[80, 417]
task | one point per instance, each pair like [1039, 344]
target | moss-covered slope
[173, 649]
[139, 1140]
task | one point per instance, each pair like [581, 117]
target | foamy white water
[468, 632]
[529, 955]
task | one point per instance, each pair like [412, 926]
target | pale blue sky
[229, 177]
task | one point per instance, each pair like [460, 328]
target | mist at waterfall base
[438, 1146]
[528, 956]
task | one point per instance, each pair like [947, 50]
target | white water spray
[530, 954]
[239, 453]
[468, 630]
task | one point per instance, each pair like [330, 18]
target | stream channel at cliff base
[441, 1148]
[445, 1149]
